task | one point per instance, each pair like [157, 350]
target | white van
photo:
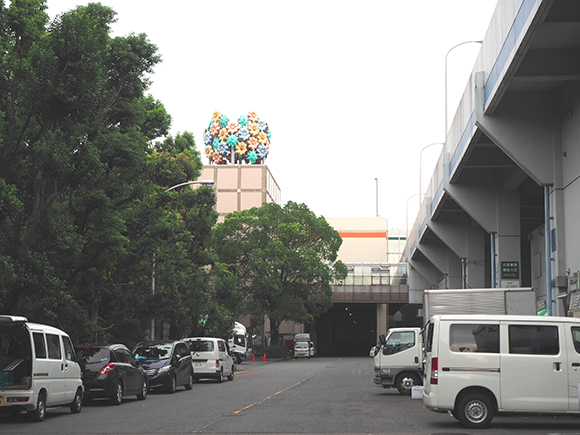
[211, 358]
[480, 365]
[37, 368]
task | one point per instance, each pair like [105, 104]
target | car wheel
[40, 411]
[475, 411]
[117, 396]
[406, 381]
[231, 376]
[77, 403]
[189, 384]
[220, 376]
[173, 385]
[144, 389]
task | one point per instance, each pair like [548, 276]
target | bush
[274, 352]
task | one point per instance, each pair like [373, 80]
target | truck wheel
[475, 411]
[406, 381]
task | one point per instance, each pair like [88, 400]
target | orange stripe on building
[364, 235]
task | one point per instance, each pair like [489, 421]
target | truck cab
[398, 359]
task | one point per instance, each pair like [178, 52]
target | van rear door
[573, 347]
[534, 373]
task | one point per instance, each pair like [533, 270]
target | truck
[304, 345]
[238, 343]
[398, 357]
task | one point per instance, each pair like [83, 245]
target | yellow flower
[223, 134]
[241, 148]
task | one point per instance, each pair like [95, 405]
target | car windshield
[92, 355]
[201, 346]
[301, 345]
[153, 352]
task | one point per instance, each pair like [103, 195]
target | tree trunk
[275, 337]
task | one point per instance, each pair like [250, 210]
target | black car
[167, 363]
[110, 371]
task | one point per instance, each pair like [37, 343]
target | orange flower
[217, 157]
[252, 117]
[215, 129]
[233, 127]
[253, 143]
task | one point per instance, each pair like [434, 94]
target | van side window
[534, 339]
[398, 342]
[576, 338]
[69, 350]
[53, 343]
[221, 346]
[482, 338]
[39, 346]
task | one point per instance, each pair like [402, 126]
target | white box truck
[398, 358]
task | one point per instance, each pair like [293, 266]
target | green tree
[285, 259]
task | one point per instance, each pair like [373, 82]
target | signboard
[510, 270]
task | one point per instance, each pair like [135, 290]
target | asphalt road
[316, 396]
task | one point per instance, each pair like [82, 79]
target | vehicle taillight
[217, 362]
[434, 371]
[107, 369]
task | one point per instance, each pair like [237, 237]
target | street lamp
[447, 54]
[421, 169]
[152, 327]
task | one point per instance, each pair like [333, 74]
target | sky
[352, 91]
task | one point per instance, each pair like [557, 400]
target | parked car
[37, 368]
[110, 371]
[167, 363]
[211, 358]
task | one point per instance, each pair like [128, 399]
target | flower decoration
[262, 151]
[232, 140]
[241, 148]
[233, 127]
[248, 139]
[223, 134]
[252, 143]
[223, 149]
[243, 134]
[253, 128]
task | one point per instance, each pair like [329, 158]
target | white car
[211, 358]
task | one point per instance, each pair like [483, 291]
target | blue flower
[207, 138]
[223, 149]
[262, 125]
[244, 134]
[262, 151]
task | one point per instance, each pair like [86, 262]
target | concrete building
[501, 209]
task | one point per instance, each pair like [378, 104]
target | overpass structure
[502, 208]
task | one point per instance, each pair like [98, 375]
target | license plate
[196, 364]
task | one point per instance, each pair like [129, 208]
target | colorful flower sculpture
[247, 140]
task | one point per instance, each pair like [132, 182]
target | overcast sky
[352, 91]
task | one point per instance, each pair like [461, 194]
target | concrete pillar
[507, 238]
[382, 319]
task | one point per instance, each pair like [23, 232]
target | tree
[285, 259]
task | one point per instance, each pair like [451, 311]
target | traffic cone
[264, 358]
[253, 357]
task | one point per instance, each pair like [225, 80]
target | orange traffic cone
[253, 357]
[264, 358]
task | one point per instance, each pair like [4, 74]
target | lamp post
[152, 327]
[447, 54]
[421, 168]
[407, 216]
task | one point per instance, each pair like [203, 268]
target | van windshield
[201, 346]
[301, 345]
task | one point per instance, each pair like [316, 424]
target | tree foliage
[285, 259]
[83, 204]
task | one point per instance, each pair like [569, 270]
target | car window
[153, 352]
[39, 345]
[201, 346]
[128, 357]
[93, 355]
[481, 338]
[53, 343]
[121, 355]
[534, 339]
[221, 346]
[69, 350]
[240, 340]
[398, 342]
[181, 349]
[576, 338]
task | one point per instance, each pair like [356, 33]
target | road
[315, 396]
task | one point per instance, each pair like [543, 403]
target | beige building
[241, 187]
